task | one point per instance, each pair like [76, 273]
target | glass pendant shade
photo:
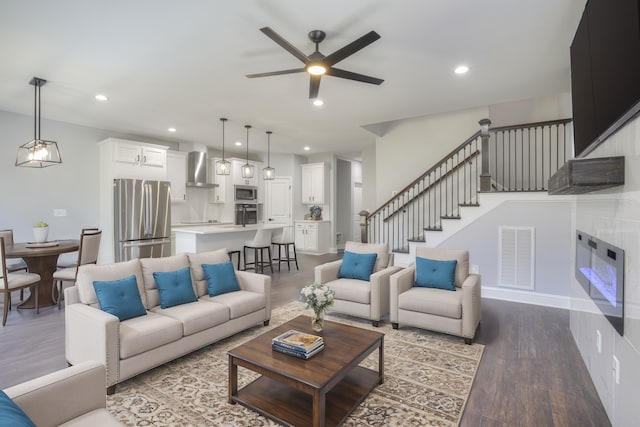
[268, 173]
[38, 153]
[247, 169]
[223, 167]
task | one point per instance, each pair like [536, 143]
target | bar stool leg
[295, 256]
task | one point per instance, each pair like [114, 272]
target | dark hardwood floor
[531, 373]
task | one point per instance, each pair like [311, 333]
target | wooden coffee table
[321, 391]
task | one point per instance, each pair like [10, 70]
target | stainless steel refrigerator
[142, 215]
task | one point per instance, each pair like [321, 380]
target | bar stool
[260, 243]
[231, 253]
[284, 237]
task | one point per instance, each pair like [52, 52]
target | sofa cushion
[196, 261]
[432, 301]
[175, 287]
[11, 414]
[145, 333]
[357, 266]
[98, 417]
[461, 256]
[89, 273]
[196, 316]
[432, 273]
[382, 249]
[153, 265]
[221, 278]
[120, 297]
[351, 290]
[240, 303]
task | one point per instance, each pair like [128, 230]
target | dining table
[42, 260]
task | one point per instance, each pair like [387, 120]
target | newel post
[364, 226]
[485, 174]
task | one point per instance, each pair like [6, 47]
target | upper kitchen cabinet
[218, 194]
[177, 175]
[313, 183]
[131, 159]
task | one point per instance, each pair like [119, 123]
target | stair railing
[507, 158]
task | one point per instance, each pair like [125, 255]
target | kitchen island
[202, 238]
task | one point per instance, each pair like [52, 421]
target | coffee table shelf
[321, 391]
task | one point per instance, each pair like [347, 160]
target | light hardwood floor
[531, 373]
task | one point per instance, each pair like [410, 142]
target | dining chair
[14, 282]
[70, 259]
[87, 254]
[13, 265]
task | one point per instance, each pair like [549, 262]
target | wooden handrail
[437, 165]
[530, 125]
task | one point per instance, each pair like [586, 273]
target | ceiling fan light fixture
[38, 153]
[316, 69]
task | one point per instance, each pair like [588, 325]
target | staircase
[506, 159]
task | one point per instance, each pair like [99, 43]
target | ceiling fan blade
[285, 44]
[314, 86]
[336, 72]
[351, 48]
[275, 73]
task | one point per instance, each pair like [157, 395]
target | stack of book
[298, 344]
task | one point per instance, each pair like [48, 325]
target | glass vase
[317, 320]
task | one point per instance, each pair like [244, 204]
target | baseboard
[514, 295]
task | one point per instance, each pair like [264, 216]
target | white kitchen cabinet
[177, 175]
[313, 183]
[217, 194]
[138, 160]
[312, 236]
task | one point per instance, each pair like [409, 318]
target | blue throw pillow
[174, 287]
[120, 297]
[357, 266]
[221, 278]
[11, 414]
[431, 273]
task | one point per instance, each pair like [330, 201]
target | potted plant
[40, 232]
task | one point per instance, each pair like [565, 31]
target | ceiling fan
[317, 64]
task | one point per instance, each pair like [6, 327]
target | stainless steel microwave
[246, 193]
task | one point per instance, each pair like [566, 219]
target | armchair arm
[399, 282]
[471, 305]
[259, 283]
[92, 334]
[380, 292]
[327, 272]
[63, 395]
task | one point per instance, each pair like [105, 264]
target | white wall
[613, 215]
[369, 179]
[531, 110]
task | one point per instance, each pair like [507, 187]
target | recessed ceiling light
[307, 148]
[461, 69]
[101, 97]
[172, 129]
[238, 143]
[318, 102]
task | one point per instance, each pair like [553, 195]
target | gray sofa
[136, 345]
[73, 396]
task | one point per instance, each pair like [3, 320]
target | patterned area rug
[428, 377]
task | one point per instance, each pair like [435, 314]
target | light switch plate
[59, 212]
[616, 369]
[598, 341]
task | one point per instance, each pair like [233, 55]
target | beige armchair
[360, 298]
[452, 312]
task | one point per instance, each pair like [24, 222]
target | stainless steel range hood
[197, 170]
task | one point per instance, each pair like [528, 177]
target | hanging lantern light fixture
[247, 168]
[223, 167]
[269, 173]
[38, 153]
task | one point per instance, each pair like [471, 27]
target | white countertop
[217, 229]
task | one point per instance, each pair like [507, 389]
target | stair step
[467, 205]
[450, 217]
[404, 250]
[416, 239]
[432, 229]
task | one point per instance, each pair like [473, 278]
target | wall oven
[246, 193]
[246, 213]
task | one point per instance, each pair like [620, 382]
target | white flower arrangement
[317, 297]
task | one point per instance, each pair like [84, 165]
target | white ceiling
[182, 63]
